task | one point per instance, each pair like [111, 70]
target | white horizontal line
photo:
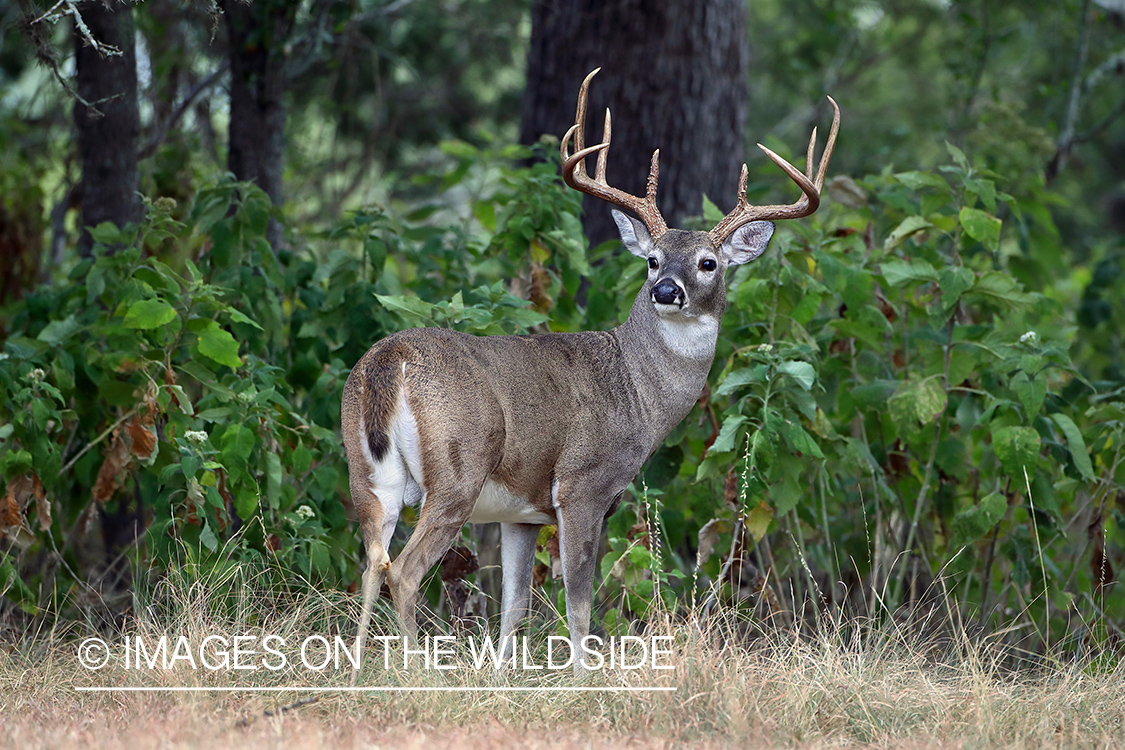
[377, 689]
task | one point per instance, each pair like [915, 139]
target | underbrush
[884, 682]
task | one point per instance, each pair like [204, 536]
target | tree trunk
[674, 73]
[108, 130]
[256, 151]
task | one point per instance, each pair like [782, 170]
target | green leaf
[909, 226]
[958, 156]
[1017, 448]
[802, 372]
[147, 314]
[58, 330]
[239, 317]
[758, 520]
[898, 272]
[237, 444]
[981, 226]
[1076, 445]
[971, 524]
[485, 213]
[273, 479]
[985, 190]
[724, 443]
[412, 308]
[919, 402]
[954, 281]
[1030, 393]
[207, 537]
[998, 287]
[741, 377]
[245, 502]
[217, 344]
[919, 180]
[712, 213]
[800, 440]
[318, 555]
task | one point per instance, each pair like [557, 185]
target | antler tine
[574, 168]
[810, 183]
[603, 156]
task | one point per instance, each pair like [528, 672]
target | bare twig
[246, 721]
[162, 131]
[1066, 140]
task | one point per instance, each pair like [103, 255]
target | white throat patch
[693, 338]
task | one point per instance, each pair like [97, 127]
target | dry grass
[856, 686]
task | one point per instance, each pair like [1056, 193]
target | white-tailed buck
[548, 428]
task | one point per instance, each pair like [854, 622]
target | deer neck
[668, 358]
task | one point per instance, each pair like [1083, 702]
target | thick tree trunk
[256, 36]
[107, 137]
[674, 74]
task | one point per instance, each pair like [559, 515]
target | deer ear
[634, 235]
[748, 242]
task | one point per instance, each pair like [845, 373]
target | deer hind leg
[379, 490]
[431, 538]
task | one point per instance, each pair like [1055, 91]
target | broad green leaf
[724, 443]
[898, 272]
[919, 180]
[217, 344]
[985, 190]
[147, 314]
[996, 286]
[58, 330]
[711, 213]
[958, 156]
[523, 317]
[801, 441]
[1076, 445]
[954, 281]
[1017, 448]
[758, 521]
[1030, 392]
[981, 226]
[237, 444]
[802, 372]
[741, 377]
[907, 227]
[273, 479]
[207, 537]
[919, 402]
[318, 555]
[239, 317]
[972, 523]
[785, 495]
[413, 308]
[245, 502]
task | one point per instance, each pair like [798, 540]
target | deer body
[539, 429]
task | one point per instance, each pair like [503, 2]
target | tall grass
[852, 682]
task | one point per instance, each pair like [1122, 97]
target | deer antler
[744, 213]
[574, 168]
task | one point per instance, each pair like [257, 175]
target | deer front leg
[517, 555]
[580, 530]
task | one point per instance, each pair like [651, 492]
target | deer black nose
[668, 292]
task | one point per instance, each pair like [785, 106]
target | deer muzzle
[668, 292]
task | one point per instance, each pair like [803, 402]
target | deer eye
[653, 264]
[707, 264]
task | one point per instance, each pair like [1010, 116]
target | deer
[547, 428]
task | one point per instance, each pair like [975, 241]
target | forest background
[208, 212]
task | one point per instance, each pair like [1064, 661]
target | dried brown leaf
[112, 472]
[142, 440]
